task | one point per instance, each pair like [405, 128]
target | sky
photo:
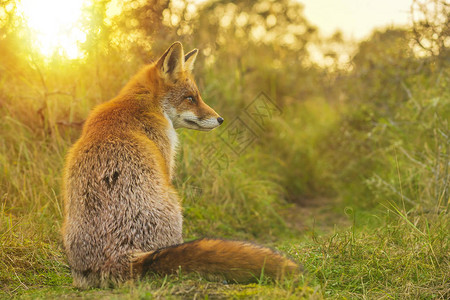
[356, 18]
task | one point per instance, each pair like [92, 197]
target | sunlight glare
[55, 25]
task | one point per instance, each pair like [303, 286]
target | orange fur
[216, 259]
[119, 199]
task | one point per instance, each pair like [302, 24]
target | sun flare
[55, 25]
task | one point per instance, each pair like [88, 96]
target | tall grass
[401, 257]
[37, 128]
[386, 170]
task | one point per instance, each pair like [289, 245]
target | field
[344, 168]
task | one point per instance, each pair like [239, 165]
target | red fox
[123, 218]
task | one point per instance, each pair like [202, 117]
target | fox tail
[215, 259]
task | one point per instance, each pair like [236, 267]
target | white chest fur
[173, 141]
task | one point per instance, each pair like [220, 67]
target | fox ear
[189, 60]
[171, 63]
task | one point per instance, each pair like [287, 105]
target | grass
[355, 193]
[348, 252]
[398, 256]
[396, 260]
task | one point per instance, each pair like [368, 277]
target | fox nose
[220, 120]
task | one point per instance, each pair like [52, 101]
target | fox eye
[191, 99]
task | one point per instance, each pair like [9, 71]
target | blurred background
[354, 97]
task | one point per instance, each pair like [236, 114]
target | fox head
[182, 103]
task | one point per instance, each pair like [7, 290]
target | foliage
[369, 143]
[431, 26]
[396, 139]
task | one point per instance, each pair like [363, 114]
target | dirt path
[320, 214]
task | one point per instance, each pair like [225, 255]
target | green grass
[356, 193]
[396, 260]
[379, 256]
[347, 251]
